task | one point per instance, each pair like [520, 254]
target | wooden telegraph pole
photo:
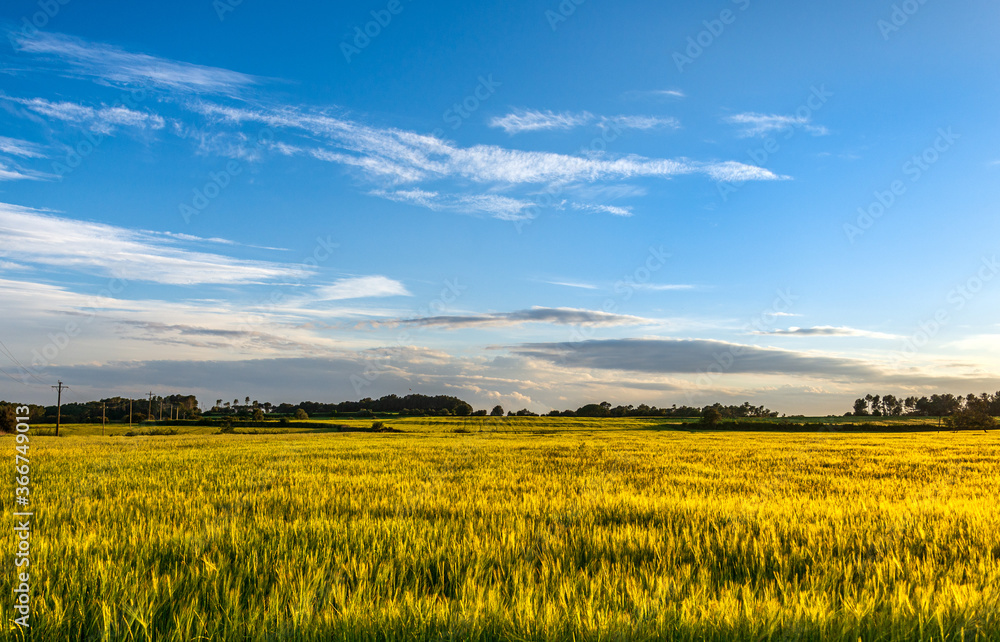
[59, 390]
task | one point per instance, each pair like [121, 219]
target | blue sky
[534, 204]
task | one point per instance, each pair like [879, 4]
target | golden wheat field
[579, 531]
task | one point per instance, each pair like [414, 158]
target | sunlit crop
[538, 531]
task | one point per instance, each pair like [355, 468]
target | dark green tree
[8, 418]
[973, 418]
[711, 416]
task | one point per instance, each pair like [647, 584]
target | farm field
[477, 424]
[543, 530]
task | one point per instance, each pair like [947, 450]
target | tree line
[116, 409]
[939, 405]
[407, 405]
[605, 409]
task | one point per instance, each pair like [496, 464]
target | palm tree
[218, 404]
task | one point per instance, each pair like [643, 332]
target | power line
[10, 355]
[11, 376]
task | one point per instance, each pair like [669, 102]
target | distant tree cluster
[8, 414]
[8, 417]
[604, 409]
[117, 408]
[186, 407]
[523, 412]
[413, 405]
[942, 405]
[245, 409]
[442, 405]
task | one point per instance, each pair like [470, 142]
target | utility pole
[161, 408]
[149, 408]
[130, 413]
[59, 389]
[104, 414]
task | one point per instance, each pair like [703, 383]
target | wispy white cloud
[984, 344]
[114, 65]
[573, 284]
[639, 122]
[501, 207]
[494, 164]
[23, 148]
[231, 327]
[828, 331]
[650, 287]
[529, 120]
[662, 287]
[179, 236]
[103, 119]
[557, 316]
[754, 124]
[424, 198]
[38, 237]
[212, 338]
[21, 174]
[504, 208]
[605, 209]
[361, 287]
[10, 169]
[656, 93]
[391, 158]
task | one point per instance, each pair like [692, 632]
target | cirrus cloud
[828, 331]
[43, 238]
[108, 63]
[558, 316]
[361, 287]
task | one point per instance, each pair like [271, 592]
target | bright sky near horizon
[537, 204]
